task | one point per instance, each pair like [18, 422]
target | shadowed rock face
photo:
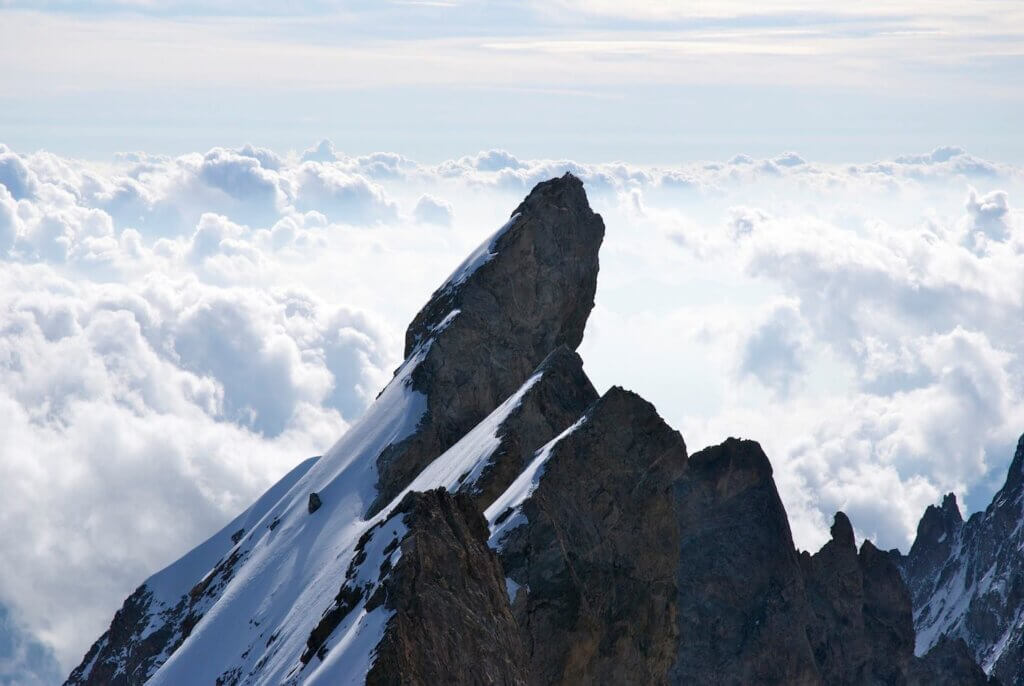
[597, 559]
[552, 404]
[860, 628]
[532, 295]
[835, 591]
[451, 621]
[948, 663]
[888, 622]
[742, 612]
[937, 533]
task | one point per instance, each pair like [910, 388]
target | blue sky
[644, 81]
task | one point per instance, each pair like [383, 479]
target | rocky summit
[493, 519]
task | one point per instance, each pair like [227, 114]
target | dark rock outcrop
[551, 405]
[519, 297]
[742, 611]
[428, 565]
[314, 503]
[451, 623]
[888, 621]
[948, 663]
[860, 629]
[966, 579]
[835, 590]
[597, 558]
[137, 661]
[937, 532]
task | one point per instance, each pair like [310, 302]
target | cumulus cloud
[15, 176]
[431, 210]
[344, 197]
[883, 458]
[323, 151]
[943, 153]
[775, 351]
[138, 418]
[915, 323]
[9, 222]
[789, 159]
[257, 191]
[494, 160]
[988, 220]
[381, 165]
[24, 661]
[268, 159]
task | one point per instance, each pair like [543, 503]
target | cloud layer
[177, 332]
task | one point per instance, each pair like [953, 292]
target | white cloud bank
[177, 332]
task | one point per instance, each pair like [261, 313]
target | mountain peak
[565, 192]
[527, 290]
[940, 520]
[547, 252]
[1015, 475]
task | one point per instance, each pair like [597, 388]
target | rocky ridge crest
[495, 521]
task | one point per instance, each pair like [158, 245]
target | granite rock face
[521, 295]
[742, 610]
[593, 608]
[561, 395]
[496, 521]
[451, 620]
[967, 578]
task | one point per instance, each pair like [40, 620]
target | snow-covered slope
[243, 607]
[154, 619]
[967, 578]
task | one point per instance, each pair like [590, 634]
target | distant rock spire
[842, 530]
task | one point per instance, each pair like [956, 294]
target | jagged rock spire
[1015, 476]
[842, 530]
[526, 291]
[531, 285]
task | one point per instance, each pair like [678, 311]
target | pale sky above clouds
[651, 82]
[195, 295]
